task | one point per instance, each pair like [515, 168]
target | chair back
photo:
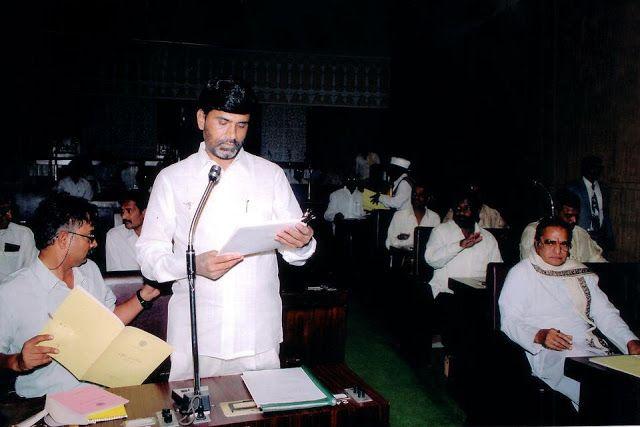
[420, 239]
[496, 275]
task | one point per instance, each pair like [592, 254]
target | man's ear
[62, 239]
[201, 118]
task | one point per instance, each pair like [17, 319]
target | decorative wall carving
[178, 70]
[284, 131]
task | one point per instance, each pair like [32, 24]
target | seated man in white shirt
[551, 305]
[18, 249]
[121, 240]
[400, 232]
[459, 248]
[488, 217]
[75, 184]
[63, 229]
[345, 203]
[583, 247]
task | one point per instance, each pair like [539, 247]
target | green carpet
[417, 397]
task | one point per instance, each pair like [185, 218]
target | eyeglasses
[564, 246]
[90, 237]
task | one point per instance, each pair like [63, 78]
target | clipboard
[253, 239]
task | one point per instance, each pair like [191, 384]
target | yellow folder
[94, 345]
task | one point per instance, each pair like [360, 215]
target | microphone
[200, 396]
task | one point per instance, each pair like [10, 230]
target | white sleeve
[439, 251]
[495, 255]
[28, 251]
[392, 231]
[155, 246]
[403, 193]
[526, 241]
[332, 208]
[595, 251]
[110, 251]
[514, 301]
[88, 194]
[285, 206]
[608, 319]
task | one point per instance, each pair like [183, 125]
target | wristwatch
[144, 303]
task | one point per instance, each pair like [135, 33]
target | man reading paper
[63, 230]
[238, 304]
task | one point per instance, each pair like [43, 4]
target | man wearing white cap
[400, 198]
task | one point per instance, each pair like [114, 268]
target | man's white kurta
[17, 249]
[401, 198]
[448, 259]
[404, 222]
[531, 301]
[583, 247]
[82, 188]
[240, 314]
[120, 248]
[487, 217]
[344, 202]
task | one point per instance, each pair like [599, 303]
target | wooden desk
[607, 396]
[145, 400]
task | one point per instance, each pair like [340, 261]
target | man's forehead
[554, 232]
[129, 204]
[235, 117]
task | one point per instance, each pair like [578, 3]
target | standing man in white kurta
[238, 299]
[121, 240]
[400, 198]
[550, 305]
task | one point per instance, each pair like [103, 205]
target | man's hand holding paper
[213, 266]
[295, 237]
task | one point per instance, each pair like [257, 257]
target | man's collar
[205, 161]
[589, 183]
[44, 276]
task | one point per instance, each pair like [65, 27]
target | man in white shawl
[551, 306]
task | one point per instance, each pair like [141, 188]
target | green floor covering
[417, 396]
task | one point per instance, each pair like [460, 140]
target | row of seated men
[551, 303]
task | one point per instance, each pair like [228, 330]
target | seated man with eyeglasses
[551, 306]
[63, 231]
[583, 247]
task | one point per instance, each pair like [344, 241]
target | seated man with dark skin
[583, 247]
[551, 305]
[63, 228]
[400, 232]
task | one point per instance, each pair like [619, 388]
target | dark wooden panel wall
[597, 96]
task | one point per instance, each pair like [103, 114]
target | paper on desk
[253, 239]
[278, 386]
[629, 364]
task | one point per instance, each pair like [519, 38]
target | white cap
[399, 161]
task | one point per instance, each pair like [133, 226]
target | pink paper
[88, 399]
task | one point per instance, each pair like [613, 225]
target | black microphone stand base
[184, 399]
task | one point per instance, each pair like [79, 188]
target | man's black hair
[141, 198]
[57, 212]
[566, 197]
[472, 198]
[589, 162]
[552, 222]
[230, 95]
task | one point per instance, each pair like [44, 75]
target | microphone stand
[541, 185]
[197, 395]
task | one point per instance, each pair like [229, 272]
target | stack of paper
[628, 364]
[85, 405]
[95, 346]
[284, 389]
